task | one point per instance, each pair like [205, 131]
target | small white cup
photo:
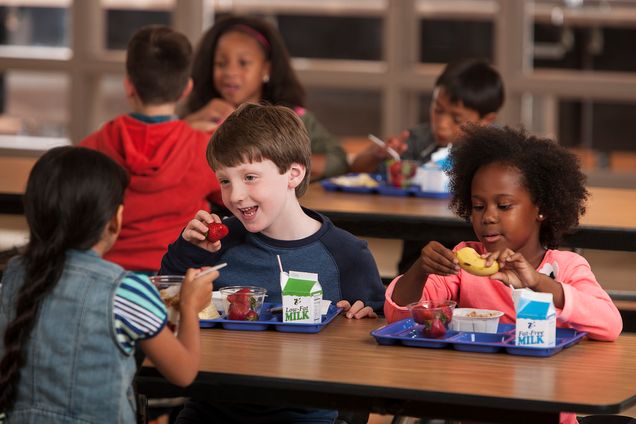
[475, 320]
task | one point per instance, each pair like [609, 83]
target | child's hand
[437, 259]
[211, 115]
[514, 269]
[357, 311]
[197, 229]
[217, 110]
[396, 142]
[196, 293]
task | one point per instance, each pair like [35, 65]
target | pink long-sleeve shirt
[587, 306]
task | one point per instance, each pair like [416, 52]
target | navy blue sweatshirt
[345, 267]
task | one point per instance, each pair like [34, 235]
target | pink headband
[254, 33]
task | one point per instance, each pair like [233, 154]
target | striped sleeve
[139, 313]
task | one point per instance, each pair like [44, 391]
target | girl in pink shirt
[521, 194]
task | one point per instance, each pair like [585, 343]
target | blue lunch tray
[268, 320]
[406, 332]
[383, 188]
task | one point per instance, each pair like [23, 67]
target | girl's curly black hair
[551, 174]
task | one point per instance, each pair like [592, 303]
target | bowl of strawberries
[432, 318]
[243, 303]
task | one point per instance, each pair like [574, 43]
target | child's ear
[114, 226]
[129, 88]
[267, 68]
[296, 174]
[488, 119]
[187, 90]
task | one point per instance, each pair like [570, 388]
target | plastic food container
[433, 318]
[243, 303]
[475, 320]
[169, 287]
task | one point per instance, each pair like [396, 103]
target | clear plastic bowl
[169, 287]
[247, 304]
[475, 320]
[433, 318]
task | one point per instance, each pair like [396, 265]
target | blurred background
[368, 65]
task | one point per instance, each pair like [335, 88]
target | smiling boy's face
[448, 117]
[259, 195]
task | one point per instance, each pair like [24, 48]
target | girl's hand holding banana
[437, 259]
[516, 271]
[472, 262]
[506, 266]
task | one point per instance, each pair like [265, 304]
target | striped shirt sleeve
[139, 313]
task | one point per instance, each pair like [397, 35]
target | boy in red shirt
[170, 179]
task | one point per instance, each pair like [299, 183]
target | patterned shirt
[139, 313]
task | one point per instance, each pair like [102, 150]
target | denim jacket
[75, 371]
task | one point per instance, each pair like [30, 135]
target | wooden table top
[606, 208]
[609, 223]
[589, 377]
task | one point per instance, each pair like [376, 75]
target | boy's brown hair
[158, 63]
[253, 133]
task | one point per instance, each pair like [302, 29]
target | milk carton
[536, 318]
[431, 176]
[302, 297]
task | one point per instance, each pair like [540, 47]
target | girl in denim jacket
[70, 320]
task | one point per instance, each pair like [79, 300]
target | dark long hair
[283, 87]
[71, 195]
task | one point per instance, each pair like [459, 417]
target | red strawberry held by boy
[216, 231]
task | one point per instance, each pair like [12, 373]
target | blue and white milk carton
[431, 176]
[302, 297]
[536, 318]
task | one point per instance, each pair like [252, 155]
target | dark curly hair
[551, 175]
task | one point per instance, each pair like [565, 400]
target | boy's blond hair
[253, 133]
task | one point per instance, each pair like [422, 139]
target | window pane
[444, 41]
[34, 26]
[114, 101]
[588, 48]
[37, 102]
[346, 112]
[611, 127]
[121, 24]
[331, 37]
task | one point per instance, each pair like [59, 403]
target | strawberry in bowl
[243, 303]
[433, 318]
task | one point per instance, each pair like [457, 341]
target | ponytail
[39, 282]
[71, 195]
